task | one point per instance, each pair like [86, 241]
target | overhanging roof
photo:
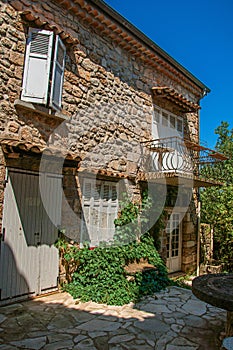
[177, 179]
[14, 148]
[173, 96]
[147, 41]
[99, 15]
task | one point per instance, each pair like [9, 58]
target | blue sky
[199, 35]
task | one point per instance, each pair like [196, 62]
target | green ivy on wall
[100, 275]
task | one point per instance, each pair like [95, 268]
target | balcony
[177, 161]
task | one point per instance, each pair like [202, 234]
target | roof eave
[148, 42]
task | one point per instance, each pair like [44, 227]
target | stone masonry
[107, 103]
[170, 320]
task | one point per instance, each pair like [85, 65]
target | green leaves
[133, 219]
[100, 275]
[217, 202]
[225, 139]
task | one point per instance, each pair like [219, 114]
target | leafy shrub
[100, 274]
[101, 277]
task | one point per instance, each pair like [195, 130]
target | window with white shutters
[45, 56]
[100, 208]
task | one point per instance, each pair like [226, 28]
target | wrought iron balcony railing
[174, 155]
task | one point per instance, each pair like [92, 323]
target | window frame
[48, 62]
[163, 118]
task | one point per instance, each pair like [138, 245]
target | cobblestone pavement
[171, 320]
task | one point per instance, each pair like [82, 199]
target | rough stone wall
[189, 244]
[107, 92]
[106, 97]
[207, 243]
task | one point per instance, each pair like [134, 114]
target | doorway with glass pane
[173, 234]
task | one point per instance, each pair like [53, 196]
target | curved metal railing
[174, 154]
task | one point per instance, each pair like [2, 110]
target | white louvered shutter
[37, 66]
[100, 208]
[58, 74]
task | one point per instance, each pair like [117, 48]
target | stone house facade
[83, 95]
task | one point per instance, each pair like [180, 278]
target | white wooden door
[28, 257]
[173, 233]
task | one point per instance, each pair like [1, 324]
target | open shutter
[37, 66]
[58, 74]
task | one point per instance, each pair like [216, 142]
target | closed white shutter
[37, 66]
[100, 208]
[58, 74]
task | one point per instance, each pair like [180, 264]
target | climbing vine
[100, 275]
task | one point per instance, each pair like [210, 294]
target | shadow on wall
[26, 208]
[71, 208]
[13, 285]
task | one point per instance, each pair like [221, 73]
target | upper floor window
[165, 118]
[43, 68]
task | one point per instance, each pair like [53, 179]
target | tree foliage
[217, 202]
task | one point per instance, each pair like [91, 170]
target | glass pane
[157, 115]
[179, 125]
[172, 122]
[164, 119]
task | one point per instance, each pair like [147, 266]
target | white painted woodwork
[57, 74]
[166, 125]
[28, 257]
[173, 233]
[100, 208]
[37, 66]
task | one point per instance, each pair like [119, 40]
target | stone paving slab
[173, 319]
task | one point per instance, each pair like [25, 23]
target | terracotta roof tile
[172, 95]
[103, 172]
[42, 19]
[121, 32]
[10, 145]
